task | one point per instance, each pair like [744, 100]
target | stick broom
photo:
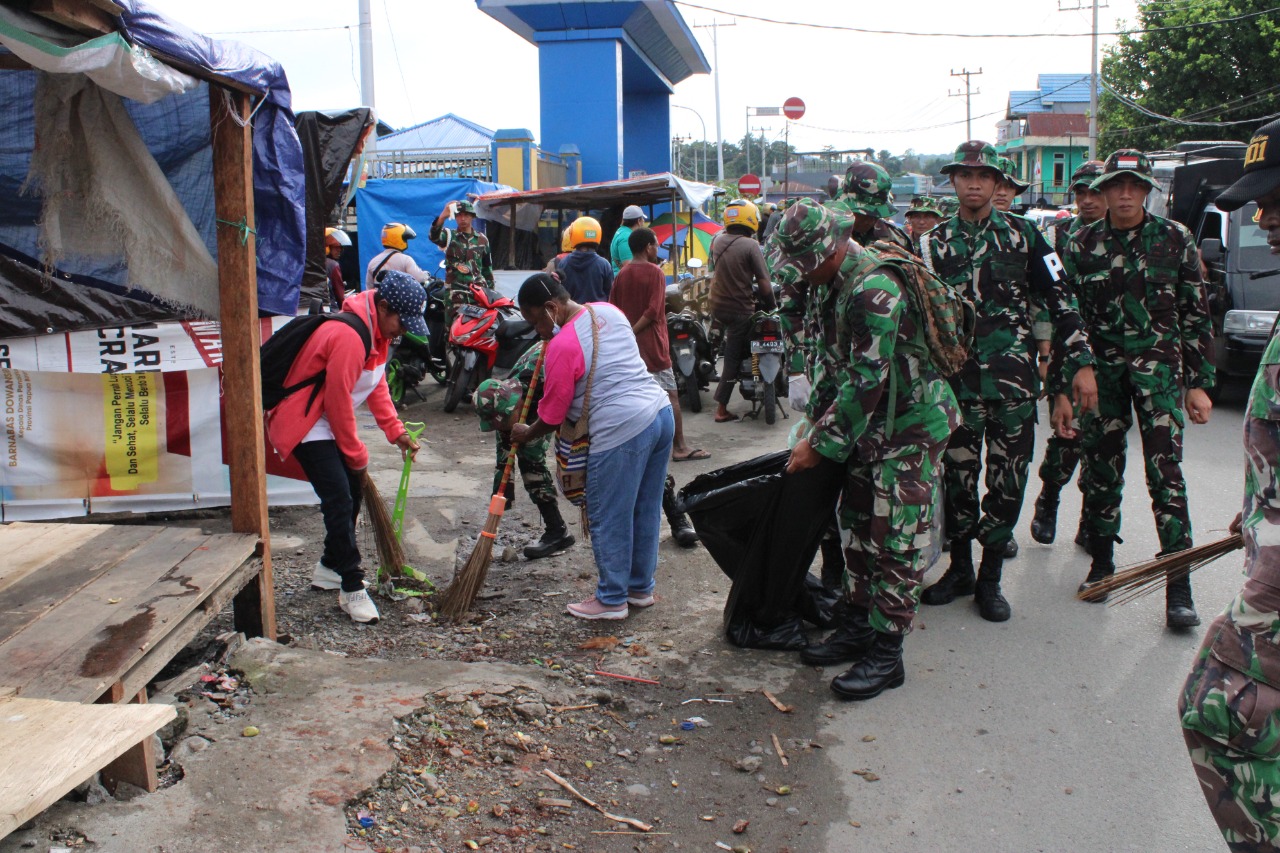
[1145, 578]
[456, 601]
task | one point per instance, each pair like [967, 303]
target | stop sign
[793, 108]
[749, 185]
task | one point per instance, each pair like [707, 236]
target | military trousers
[1007, 428]
[1231, 724]
[1061, 455]
[1104, 443]
[886, 513]
[531, 458]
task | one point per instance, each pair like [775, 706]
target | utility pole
[764, 153]
[366, 66]
[1093, 73]
[715, 71]
[968, 94]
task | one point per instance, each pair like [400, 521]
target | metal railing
[470, 162]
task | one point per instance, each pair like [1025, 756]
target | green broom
[456, 600]
[413, 429]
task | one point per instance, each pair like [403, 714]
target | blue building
[607, 71]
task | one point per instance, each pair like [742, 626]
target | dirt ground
[467, 768]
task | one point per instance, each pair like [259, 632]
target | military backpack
[947, 317]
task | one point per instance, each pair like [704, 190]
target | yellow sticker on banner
[132, 444]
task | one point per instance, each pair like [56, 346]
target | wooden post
[255, 608]
[138, 765]
[511, 246]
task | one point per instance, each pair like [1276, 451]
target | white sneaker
[326, 578]
[359, 606]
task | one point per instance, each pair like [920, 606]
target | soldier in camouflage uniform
[498, 403]
[950, 206]
[1001, 263]
[466, 251]
[922, 216]
[1009, 187]
[866, 194]
[1144, 303]
[880, 409]
[1061, 454]
[1230, 706]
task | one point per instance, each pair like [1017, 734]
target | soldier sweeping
[880, 409]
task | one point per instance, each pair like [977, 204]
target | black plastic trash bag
[763, 527]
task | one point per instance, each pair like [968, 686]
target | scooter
[691, 354]
[414, 358]
[763, 380]
[487, 335]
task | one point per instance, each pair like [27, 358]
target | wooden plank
[137, 766]
[143, 620]
[158, 656]
[255, 611]
[26, 600]
[79, 16]
[47, 748]
[25, 656]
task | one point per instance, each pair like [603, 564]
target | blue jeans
[624, 509]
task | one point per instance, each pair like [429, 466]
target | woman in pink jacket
[322, 436]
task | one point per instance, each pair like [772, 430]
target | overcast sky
[877, 91]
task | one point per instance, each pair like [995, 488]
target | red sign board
[749, 185]
[793, 108]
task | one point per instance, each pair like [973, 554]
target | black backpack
[281, 349]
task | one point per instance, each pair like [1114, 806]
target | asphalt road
[1058, 729]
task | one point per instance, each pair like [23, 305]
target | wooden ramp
[47, 748]
[90, 613]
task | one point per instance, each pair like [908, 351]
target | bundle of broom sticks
[1145, 578]
[456, 600]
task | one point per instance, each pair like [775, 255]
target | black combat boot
[555, 536]
[1011, 548]
[1179, 609]
[992, 605]
[850, 641]
[879, 671]
[1102, 567]
[1044, 524]
[681, 528]
[957, 581]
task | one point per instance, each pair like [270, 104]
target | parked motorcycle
[487, 336]
[414, 358]
[762, 380]
[692, 360]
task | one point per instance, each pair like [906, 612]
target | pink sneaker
[640, 600]
[593, 609]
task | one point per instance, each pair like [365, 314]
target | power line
[391, 32]
[866, 31]
[1246, 101]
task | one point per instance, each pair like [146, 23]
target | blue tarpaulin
[416, 202]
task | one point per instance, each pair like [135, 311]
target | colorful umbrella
[704, 228]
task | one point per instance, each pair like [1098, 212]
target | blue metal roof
[654, 27]
[1053, 89]
[1025, 101]
[448, 132]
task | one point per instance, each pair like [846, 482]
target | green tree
[1209, 72]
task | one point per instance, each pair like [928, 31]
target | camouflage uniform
[878, 407]
[1001, 264]
[867, 189]
[466, 256]
[1230, 705]
[1145, 307]
[498, 400]
[1061, 455]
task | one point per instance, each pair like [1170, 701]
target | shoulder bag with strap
[573, 440]
[379, 267]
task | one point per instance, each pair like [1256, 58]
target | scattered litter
[722, 846]
[708, 817]
[777, 747]
[688, 725]
[867, 775]
[637, 650]
[606, 644]
[560, 708]
[773, 700]
[700, 722]
[420, 617]
[564, 783]
[626, 677]
[554, 803]
[364, 818]
[782, 790]
[250, 731]
[668, 740]
[113, 601]
[551, 594]
[741, 827]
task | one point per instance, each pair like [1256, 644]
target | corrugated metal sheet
[1057, 124]
[657, 46]
[1063, 88]
[446, 133]
[1025, 101]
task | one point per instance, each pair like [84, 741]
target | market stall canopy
[648, 190]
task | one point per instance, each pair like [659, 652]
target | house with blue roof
[1045, 132]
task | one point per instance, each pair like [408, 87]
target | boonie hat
[1126, 161]
[924, 204]
[1085, 174]
[1261, 170]
[805, 237]
[974, 154]
[866, 189]
[495, 401]
[633, 211]
[407, 298]
[1010, 173]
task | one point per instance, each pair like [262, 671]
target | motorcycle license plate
[475, 312]
[767, 346]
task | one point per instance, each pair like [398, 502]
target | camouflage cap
[1010, 172]
[974, 154]
[806, 236]
[866, 189]
[465, 207]
[1261, 170]
[496, 400]
[925, 204]
[1085, 174]
[950, 205]
[1126, 161]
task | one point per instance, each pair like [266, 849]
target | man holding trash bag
[880, 408]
